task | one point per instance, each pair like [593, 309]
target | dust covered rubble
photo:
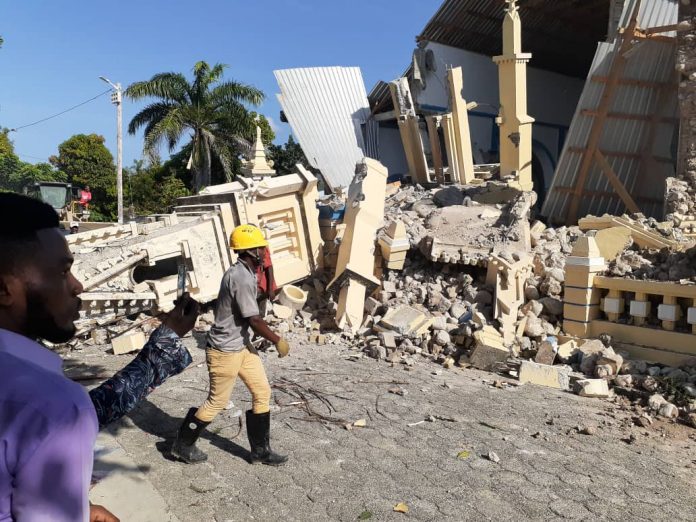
[656, 265]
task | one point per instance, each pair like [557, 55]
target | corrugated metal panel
[326, 108]
[652, 13]
[560, 34]
[649, 61]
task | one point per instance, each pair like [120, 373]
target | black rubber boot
[184, 447]
[258, 431]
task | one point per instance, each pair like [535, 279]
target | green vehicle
[63, 197]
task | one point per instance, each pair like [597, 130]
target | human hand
[183, 317]
[101, 514]
[283, 347]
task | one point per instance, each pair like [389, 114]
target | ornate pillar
[514, 122]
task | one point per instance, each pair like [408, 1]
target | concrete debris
[545, 375]
[354, 270]
[592, 388]
[488, 350]
[128, 342]
[656, 265]
[407, 321]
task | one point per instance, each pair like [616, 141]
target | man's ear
[10, 290]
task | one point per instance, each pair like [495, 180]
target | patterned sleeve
[163, 356]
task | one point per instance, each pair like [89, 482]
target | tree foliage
[152, 189]
[285, 157]
[214, 112]
[6, 145]
[17, 175]
[85, 160]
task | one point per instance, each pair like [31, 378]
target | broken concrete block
[282, 311]
[394, 245]
[669, 410]
[545, 375]
[489, 349]
[99, 336]
[317, 338]
[388, 339]
[590, 352]
[389, 286]
[592, 388]
[440, 322]
[655, 401]
[442, 338]
[612, 359]
[612, 241]
[128, 342]
[546, 353]
[567, 349]
[406, 321]
[355, 265]
[533, 326]
[371, 305]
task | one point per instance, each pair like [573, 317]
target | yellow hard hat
[247, 236]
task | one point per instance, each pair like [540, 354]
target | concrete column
[581, 299]
[640, 309]
[514, 122]
[668, 312]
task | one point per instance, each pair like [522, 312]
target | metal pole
[119, 158]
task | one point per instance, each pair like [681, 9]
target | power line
[61, 112]
[32, 157]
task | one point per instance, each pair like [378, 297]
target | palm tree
[214, 113]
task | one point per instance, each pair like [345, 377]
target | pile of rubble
[680, 197]
[463, 225]
[656, 265]
[595, 369]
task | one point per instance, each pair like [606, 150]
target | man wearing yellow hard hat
[230, 353]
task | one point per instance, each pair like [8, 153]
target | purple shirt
[47, 431]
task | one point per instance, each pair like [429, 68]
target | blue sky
[54, 53]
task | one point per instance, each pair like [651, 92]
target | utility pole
[116, 99]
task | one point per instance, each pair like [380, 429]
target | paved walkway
[547, 470]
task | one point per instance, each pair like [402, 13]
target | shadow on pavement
[151, 419]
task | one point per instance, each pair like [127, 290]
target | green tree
[16, 175]
[267, 134]
[285, 157]
[214, 112]
[85, 160]
[152, 189]
[6, 145]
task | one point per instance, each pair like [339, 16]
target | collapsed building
[491, 257]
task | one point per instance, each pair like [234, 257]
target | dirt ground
[427, 443]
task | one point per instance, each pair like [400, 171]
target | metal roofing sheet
[326, 108]
[560, 34]
[648, 61]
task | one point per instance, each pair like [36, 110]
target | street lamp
[116, 98]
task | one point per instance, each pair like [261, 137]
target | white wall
[391, 150]
[552, 99]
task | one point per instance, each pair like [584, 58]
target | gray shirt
[236, 302]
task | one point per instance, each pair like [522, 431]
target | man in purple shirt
[47, 423]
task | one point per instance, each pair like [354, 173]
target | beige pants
[223, 368]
